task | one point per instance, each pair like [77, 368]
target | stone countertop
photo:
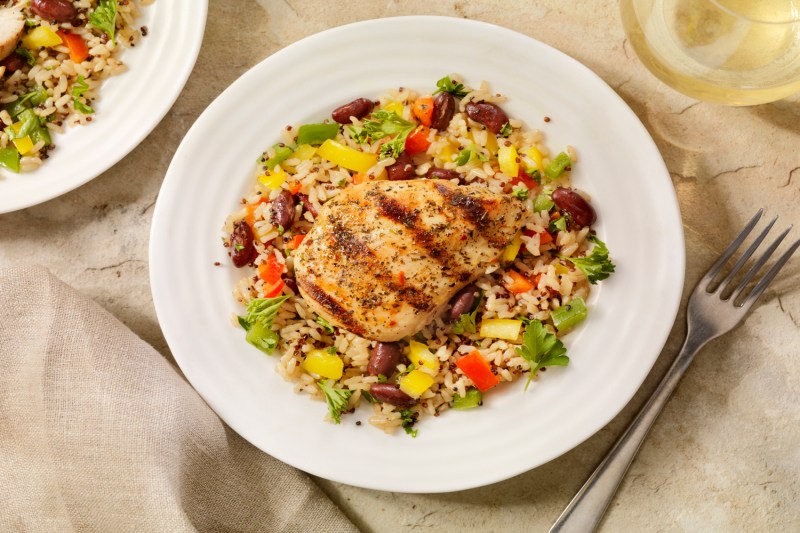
[724, 455]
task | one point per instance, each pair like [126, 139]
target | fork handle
[586, 509]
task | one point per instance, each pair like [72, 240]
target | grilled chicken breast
[384, 257]
[12, 24]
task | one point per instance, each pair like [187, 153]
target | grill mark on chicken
[331, 305]
[472, 208]
[348, 244]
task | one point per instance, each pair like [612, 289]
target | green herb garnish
[336, 398]
[381, 124]
[506, 130]
[541, 349]
[449, 86]
[596, 266]
[257, 322]
[29, 57]
[104, 17]
[409, 418]
[559, 224]
[521, 193]
[325, 325]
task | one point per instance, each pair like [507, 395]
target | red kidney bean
[403, 169]
[54, 10]
[307, 205]
[242, 250]
[444, 107]
[443, 174]
[359, 108]
[487, 114]
[390, 393]
[384, 358]
[463, 301]
[13, 63]
[574, 204]
[283, 210]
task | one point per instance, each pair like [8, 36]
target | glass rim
[791, 17]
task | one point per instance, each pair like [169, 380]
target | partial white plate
[129, 107]
[631, 313]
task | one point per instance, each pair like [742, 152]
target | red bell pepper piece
[417, 141]
[475, 367]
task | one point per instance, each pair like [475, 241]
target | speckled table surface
[724, 456]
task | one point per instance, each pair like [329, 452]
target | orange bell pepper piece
[476, 368]
[423, 110]
[78, 50]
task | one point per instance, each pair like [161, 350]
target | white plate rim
[74, 162]
[161, 257]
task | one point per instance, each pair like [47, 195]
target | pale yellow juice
[737, 52]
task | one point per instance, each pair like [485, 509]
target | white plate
[631, 313]
[130, 106]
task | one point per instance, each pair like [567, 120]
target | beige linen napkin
[99, 433]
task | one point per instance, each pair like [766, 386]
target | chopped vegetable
[506, 130]
[518, 284]
[570, 315]
[523, 178]
[543, 202]
[521, 193]
[501, 328]
[78, 89]
[393, 106]
[270, 272]
[541, 349]
[282, 153]
[78, 50]
[383, 124]
[466, 322]
[449, 86]
[557, 166]
[304, 152]
[468, 154]
[23, 144]
[508, 159]
[473, 398]
[29, 57]
[323, 364]
[325, 325]
[408, 418]
[536, 157]
[477, 369]
[295, 242]
[41, 37]
[423, 110]
[274, 178]
[558, 224]
[415, 383]
[510, 252]
[421, 356]
[336, 398]
[316, 134]
[28, 100]
[346, 157]
[9, 158]
[261, 312]
[545, 237]
[417, 142]
[596, 266]
[29, 124]
[104, 17]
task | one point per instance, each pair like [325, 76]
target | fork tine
[727, 280]
[768, 277]
[717, 266]
[759, 263]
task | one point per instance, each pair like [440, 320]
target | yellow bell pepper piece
[501, 328]
[346, 157]
[421, 356]
[508, 160]
[415, 383]
[446, 153]
[324, 364]
[561, 269]
[510, 252]
[24, 145]
[393, 106]
[273, 179]
[304, 152]
[41, 37]
[537, 158]
[491, 143]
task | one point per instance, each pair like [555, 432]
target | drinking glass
[736, 52]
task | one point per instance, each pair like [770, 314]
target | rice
[554, 280]
[68, 89]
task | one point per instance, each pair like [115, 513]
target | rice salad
[504, 325]
[62, 53]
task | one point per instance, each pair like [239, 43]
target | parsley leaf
[382, 124]
[559, 224]
[336, 398]
[468, 154]
[449, 86]
[29, 57]
[409, 418]
[541, 349]
[332, 350]
[261, 313]
[80, 106]
[78, 90]
[325, 325]
[521, 193]
[506, 130]
[104, 17]
[596, 266]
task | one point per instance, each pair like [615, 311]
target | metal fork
[716, 306]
